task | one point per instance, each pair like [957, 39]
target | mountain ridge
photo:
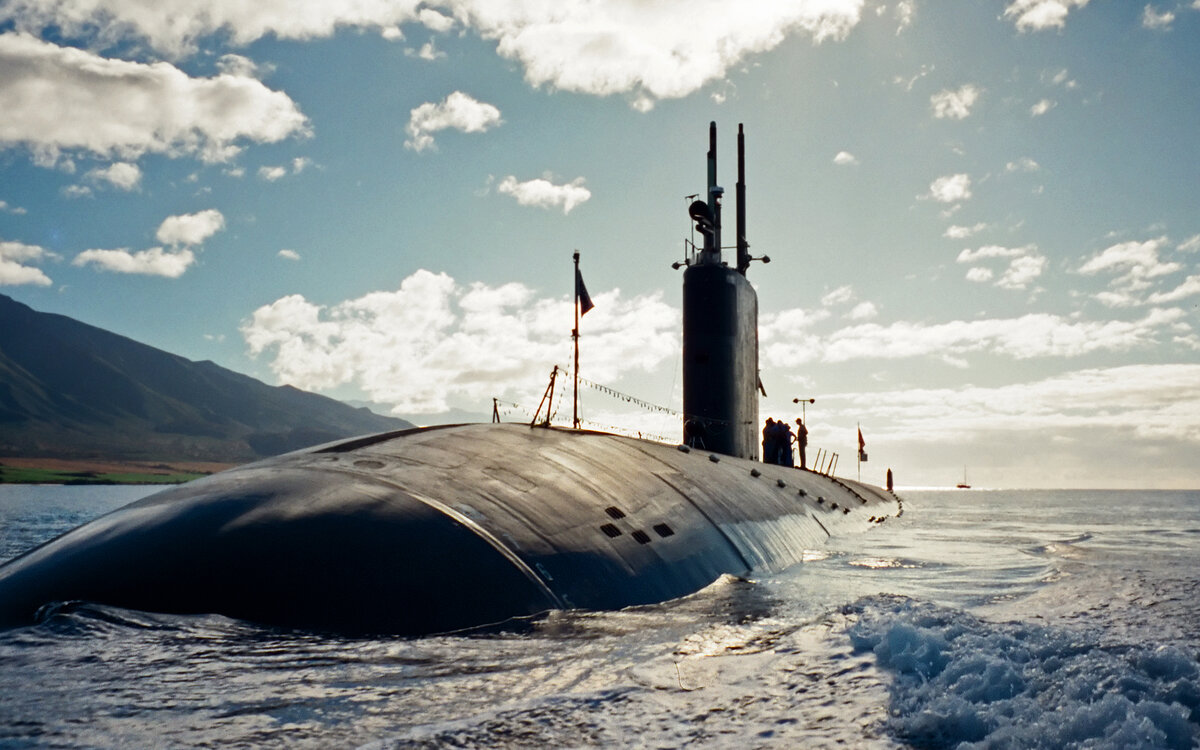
[72, 390]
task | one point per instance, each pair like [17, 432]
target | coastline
[21, 470]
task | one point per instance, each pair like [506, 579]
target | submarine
[459, 527]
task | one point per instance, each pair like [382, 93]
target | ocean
[977, 619]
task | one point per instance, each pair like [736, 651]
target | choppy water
[1025, 619]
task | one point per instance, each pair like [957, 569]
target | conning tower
[720, 328]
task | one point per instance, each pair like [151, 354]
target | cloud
[650, 50]
[863, 311]
[434, 343]
[1152, 19]
[4, 206]
[1189, 288]
[979, 274]
[1037, 15]
[951, 188]
[428, 52]
[906, 10]
[1042, 107]
[838, 296]
[289, 254]
[956, 232]
[1036, 335]
[991, 251]
[458, 111]
[1022, 272]
[14, 256]
[545, 194]
[271, 174]
[1025, 265]
[62, 99]
[174, 26]
[1024, 164]
[190, 229]
[1191, 244]
[1134, 263]
[845, 158]
[1151, 402]
[122, 175]
[152, 262]
[954, 105]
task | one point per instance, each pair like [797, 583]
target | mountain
[72, 390]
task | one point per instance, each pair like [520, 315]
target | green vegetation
[14, 475]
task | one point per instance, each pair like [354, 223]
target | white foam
[964, 682]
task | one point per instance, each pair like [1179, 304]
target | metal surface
[442, 529]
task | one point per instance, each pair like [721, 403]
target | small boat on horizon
[963, 484]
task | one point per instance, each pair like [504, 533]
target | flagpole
[860, 450]
[575, 336]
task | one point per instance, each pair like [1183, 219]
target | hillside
[71, 390]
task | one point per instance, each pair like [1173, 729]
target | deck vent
[780, 483]
[614, 512]
[610, 530]
[802, 492]
[714, 458]
[664, 530]
[755, 473]
[641, 536]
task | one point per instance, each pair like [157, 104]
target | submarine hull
[442, 529]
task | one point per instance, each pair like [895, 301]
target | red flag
[861, 443]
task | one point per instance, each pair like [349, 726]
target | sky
[982, 216]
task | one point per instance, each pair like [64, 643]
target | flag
[581, 294]
[862, 453]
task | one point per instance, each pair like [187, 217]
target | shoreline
[87, 471]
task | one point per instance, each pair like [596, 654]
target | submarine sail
[440, 529]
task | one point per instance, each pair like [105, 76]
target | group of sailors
[778, 439]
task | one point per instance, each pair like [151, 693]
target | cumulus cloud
[13, 259]
[458, 111]
[181, 233]
[190, 229]
[1022, 271]
[1189, 288]
[954, 105]
[4, 206]
[434, 343]
[650, 51]
[273, 173]
[1036, 335]
[1037, 15]
[979, 274]
[174, 26]
[289, 254]
[1155, 20]
[1025, 265]
[1191, 244]
[61, 99]
[545, 194]
[1135, 267]
[845, 158]
[950, 189]
[153, 262]
[121, 175]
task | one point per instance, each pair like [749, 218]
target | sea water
[978, 619]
